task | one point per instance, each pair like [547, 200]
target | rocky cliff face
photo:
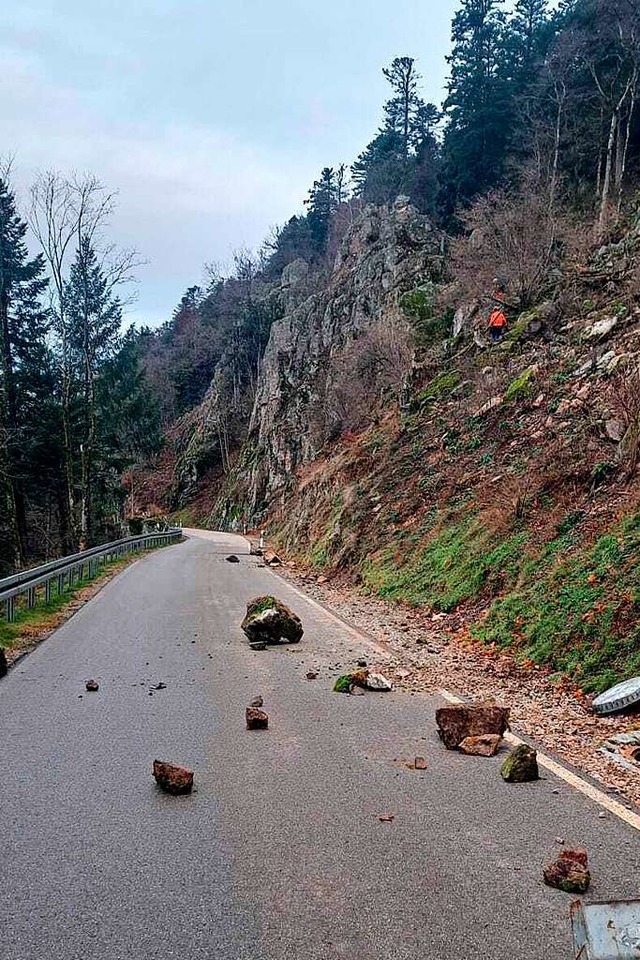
[386, 253]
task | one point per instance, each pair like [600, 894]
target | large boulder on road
[464, 720]
[269, 621]
[3, 663]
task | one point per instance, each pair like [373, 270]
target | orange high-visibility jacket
[497, 318]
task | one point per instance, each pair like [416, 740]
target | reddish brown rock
[463, 720]
[92, 685]
[420, 763]
[485, 746]
[172, 778]
[257, 719]
[569, 873]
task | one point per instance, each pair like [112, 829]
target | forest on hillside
[536, 149]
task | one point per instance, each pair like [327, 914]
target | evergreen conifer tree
[23, 328]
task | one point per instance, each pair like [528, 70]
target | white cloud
[187, 193]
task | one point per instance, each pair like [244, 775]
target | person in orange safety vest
[497, 324]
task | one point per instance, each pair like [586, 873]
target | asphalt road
[279, 852]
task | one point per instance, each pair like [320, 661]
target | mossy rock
[270, 621]
[521, 387]
[343, 684]
[521, 766]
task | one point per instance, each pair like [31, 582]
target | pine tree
[23, 327]
[403, 157]
[322, 202]
[94, 317]
[477, 106]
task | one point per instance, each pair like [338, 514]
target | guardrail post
[31, 598]
[47, 591]
[10, 609]
[60, 584]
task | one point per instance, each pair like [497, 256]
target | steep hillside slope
[506, 489]
[392, 445]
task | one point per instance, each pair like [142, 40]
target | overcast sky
[210, 119]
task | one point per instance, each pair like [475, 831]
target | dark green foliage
[322, 203]
[478, 102]
[25, 384]
[403, 157]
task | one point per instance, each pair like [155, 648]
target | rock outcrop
[386, 253]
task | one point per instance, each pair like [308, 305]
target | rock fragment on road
[257, 702]
[569, 872]
[232, 559]
[272, 559]
[268, 620]
[92, 685]
[521, 766]
[3, 663]
[361, 680]
[172, 778]
[456, 723]
[486, 745]
[256, 719]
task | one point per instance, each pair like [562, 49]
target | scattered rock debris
[438, 648]
[386, 817]
[257, 702]
[420, 763]
[92, 685]
[457, 723]
[486, 745]
[3, 663]
[569, 872]
[521, 766]
[270, 621]
[256, 719]
[159, 686]
[232, 558]
[312, 675]
[173, 778]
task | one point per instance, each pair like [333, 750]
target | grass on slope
[573, 609]
[578, 613]
[458, 563]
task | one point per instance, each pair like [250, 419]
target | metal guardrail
[69, 570]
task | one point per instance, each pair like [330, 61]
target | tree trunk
[606, 186]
